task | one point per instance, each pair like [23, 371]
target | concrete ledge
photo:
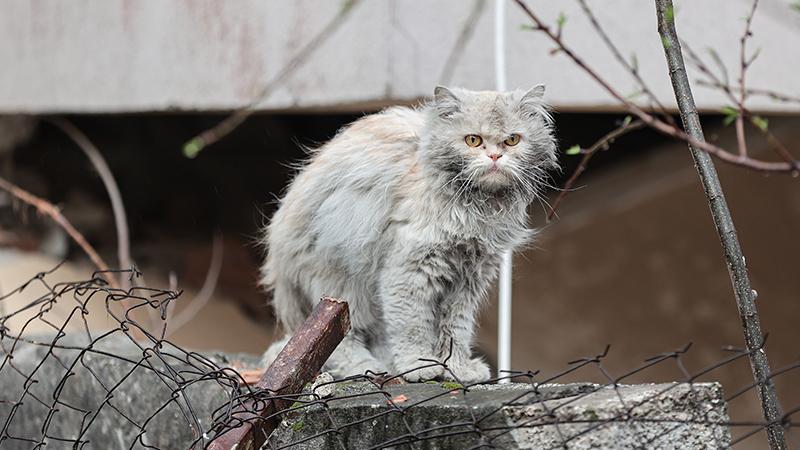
[148, 399]
[514, 416]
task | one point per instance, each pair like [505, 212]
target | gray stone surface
[145, 408]
[669, 415]
[514, 416]
[107, 401]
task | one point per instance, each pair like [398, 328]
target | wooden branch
[743, 64]
[600, 144]
[652, 121]
[745, 296]
[698, 62]
[110, 183]
[623, 62]
[777, 96]
[743, 112]
[296, 365]
[48, 209]
[201, 298]
[195, 145]
[467, 32]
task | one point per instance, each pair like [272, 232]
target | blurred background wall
[108, 56]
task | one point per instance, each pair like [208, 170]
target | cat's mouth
[494, 179]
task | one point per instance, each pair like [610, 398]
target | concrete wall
[150, 55]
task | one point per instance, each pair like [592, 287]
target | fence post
[296, 365]
[745, 296]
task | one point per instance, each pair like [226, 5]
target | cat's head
[492, 141]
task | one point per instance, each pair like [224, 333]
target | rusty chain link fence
[79, 369]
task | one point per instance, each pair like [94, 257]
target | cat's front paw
[468, 372]
[424, 374]
[360, 367]
[414, 370]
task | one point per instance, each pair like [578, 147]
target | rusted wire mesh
[79, 370]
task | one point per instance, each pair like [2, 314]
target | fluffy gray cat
[405, 214]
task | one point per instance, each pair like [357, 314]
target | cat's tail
[272, 352]
[287, 300]
[290, 308]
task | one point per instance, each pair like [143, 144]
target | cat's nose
[495, 156]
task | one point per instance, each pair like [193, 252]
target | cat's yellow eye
[473, 140]
[512, 140]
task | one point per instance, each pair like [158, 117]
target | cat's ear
[535, 93]
[532, 103]
[445, 102]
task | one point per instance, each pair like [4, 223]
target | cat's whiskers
[466, 184]
[542, 202]
[462, 189]
[442, 188]
[457, 176]
[526, 184]
[532, 183]
[539, 195]
[542, 180]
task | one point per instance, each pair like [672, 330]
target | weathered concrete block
[511, 416]
[669, 415]
[133, 400]
[140, 398]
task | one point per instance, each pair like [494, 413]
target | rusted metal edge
[297, 364]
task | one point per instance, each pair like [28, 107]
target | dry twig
[467, 32]
[110, 183]
[744, 63]
[792, 166]
[206, 291]
[741, 110]
[195, 145]
[48, 209]
[601, 144]
[777, 96]
[629, 66]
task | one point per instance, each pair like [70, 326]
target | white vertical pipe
[500, 45]
[504, 288]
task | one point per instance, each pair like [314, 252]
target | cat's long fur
[401, 218]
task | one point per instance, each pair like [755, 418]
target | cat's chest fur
[473, 229]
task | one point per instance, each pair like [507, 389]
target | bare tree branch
[652, 121]
[464, 36]
[741, 110]
[777, 96]
[601, 144]
[206, 291]
[222, 129]
[110, 183]
[698, 62]
[48, 209]
[634, 71]
[745, 296]
[743, 64]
